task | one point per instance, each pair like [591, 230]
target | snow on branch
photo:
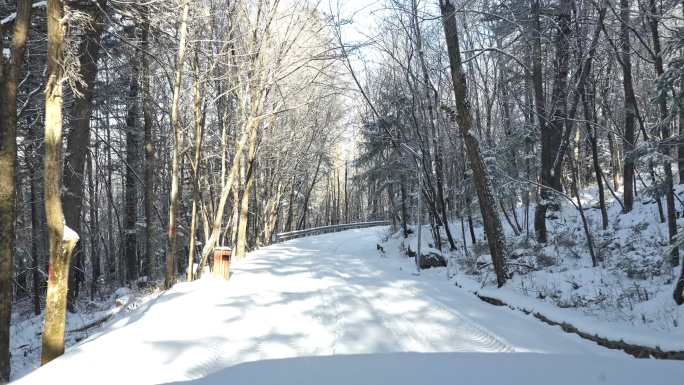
[13, 15]
[69, 234]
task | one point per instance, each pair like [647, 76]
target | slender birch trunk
[174, 197]
[241, 244]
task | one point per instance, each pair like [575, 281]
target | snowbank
[585, 324]
[627, 298]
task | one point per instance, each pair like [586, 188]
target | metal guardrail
[280, 237]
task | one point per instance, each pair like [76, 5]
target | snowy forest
[529, 150]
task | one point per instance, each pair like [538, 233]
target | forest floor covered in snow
[92, 315]
[627, 297]
[332, 309]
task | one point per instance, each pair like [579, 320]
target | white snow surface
[70, 234]
[442, 368]
[331, 310]
[26, 329]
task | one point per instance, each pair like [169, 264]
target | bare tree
[10, 75]
[62, 240]
[177, 143]
[492, 223]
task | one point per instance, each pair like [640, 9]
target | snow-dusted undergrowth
[26, 330]
[628, 296]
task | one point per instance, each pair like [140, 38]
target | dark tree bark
[492, 223]
[679, 287]
[78, 138]
[94, 222]
[590, 126]
[10, 75]
[630, 105]
[130, 239]
[305, 206]
[39, 243]
[346, 194]
[404, 210]
[290, 206]
[585, 223]
[552, 133]
[680, 148]
[540, 107]
[148, 145]
[653, 18]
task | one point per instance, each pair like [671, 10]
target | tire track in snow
[209, 363]
[480, 333]
[463, 333]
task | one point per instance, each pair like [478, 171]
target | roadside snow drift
[334, 295]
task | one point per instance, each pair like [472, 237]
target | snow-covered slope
[626, 297]
[331, 295]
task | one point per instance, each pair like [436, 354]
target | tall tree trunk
[540, 108]
[171, 251]
[271, 214]
[337, 198]
[305, 206]
[241, 244]
[148, 145]
[678, 293]
[111, 211]
[78, 138]
[585, 223]
[492, 223]
[629, 107]
[588, 101]
[235, 216]
[680, 148]
[665, 133]
[290, 206]
[438, 167]
[552, 133]
[94, 222]
[39, 243]
[679, 286]
[346, 196]
[613, 148]
[10, 74]
[132, 159]
[62, 239]
[199, 132]
[404, 210]
[248, 133]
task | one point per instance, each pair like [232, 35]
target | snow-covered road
[327, 295]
